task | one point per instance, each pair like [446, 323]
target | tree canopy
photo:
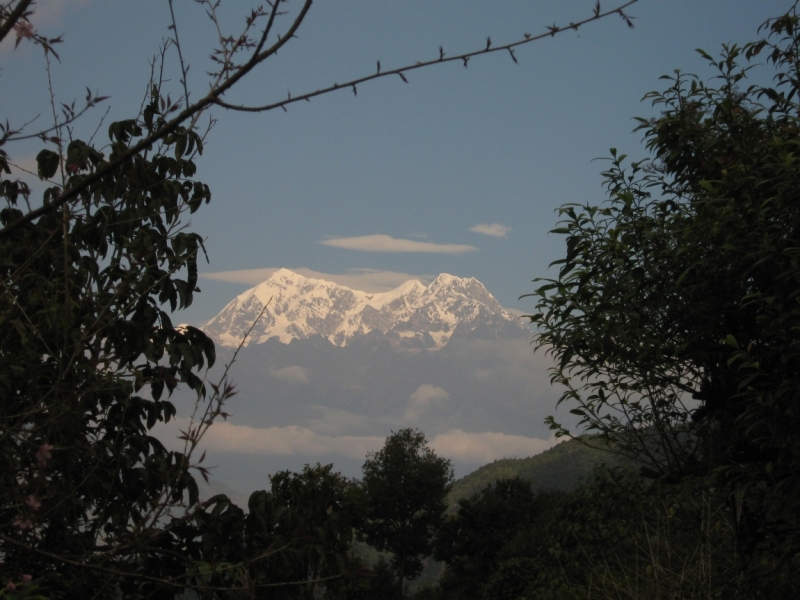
[675, 315]
[406, 487]
[472, 542]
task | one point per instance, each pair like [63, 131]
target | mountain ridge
[561, 468]
[412, 317]
[446, 358]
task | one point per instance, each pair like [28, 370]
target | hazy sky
[459, 171]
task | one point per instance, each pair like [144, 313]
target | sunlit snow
[412, 315]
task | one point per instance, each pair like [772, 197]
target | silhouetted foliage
[474, 542]
[674, 318]
[406, 487]
[306, 520]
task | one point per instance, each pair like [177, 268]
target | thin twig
[180, 54]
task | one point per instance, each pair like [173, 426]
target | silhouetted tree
[406, 488]
[674, 319]
[471, 541]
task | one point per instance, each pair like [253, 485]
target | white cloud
[486, 447]
[293, 374]
[274, 441]
[293, 440]
[495, 229]
[366, 280]
[422, 399]
[386, 243]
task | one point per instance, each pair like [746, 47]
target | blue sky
[463, 166]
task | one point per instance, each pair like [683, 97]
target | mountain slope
[560, 468]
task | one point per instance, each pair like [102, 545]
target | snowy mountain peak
[412, 316]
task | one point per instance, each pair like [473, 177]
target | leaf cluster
[89, 356]
[88, 350]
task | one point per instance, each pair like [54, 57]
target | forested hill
[559, 468]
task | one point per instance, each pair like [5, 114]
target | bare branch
[192, 112]
[14, 136]
[464, 58]
[184, 69]
[273, 13]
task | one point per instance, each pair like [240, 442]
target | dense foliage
[88, 351]
[304, 526]
[675, 316]
[474, 544]
[617, 536]
[89, 498]
[405, 486]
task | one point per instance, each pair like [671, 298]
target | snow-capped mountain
[329, 369]
[412, 317]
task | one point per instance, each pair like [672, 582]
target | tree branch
[167, 582]
[213, 97]
[187, 113]
[180, 53]
[419, 65]
[13, 17]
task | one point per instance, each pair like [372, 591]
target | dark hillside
[559, 468]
